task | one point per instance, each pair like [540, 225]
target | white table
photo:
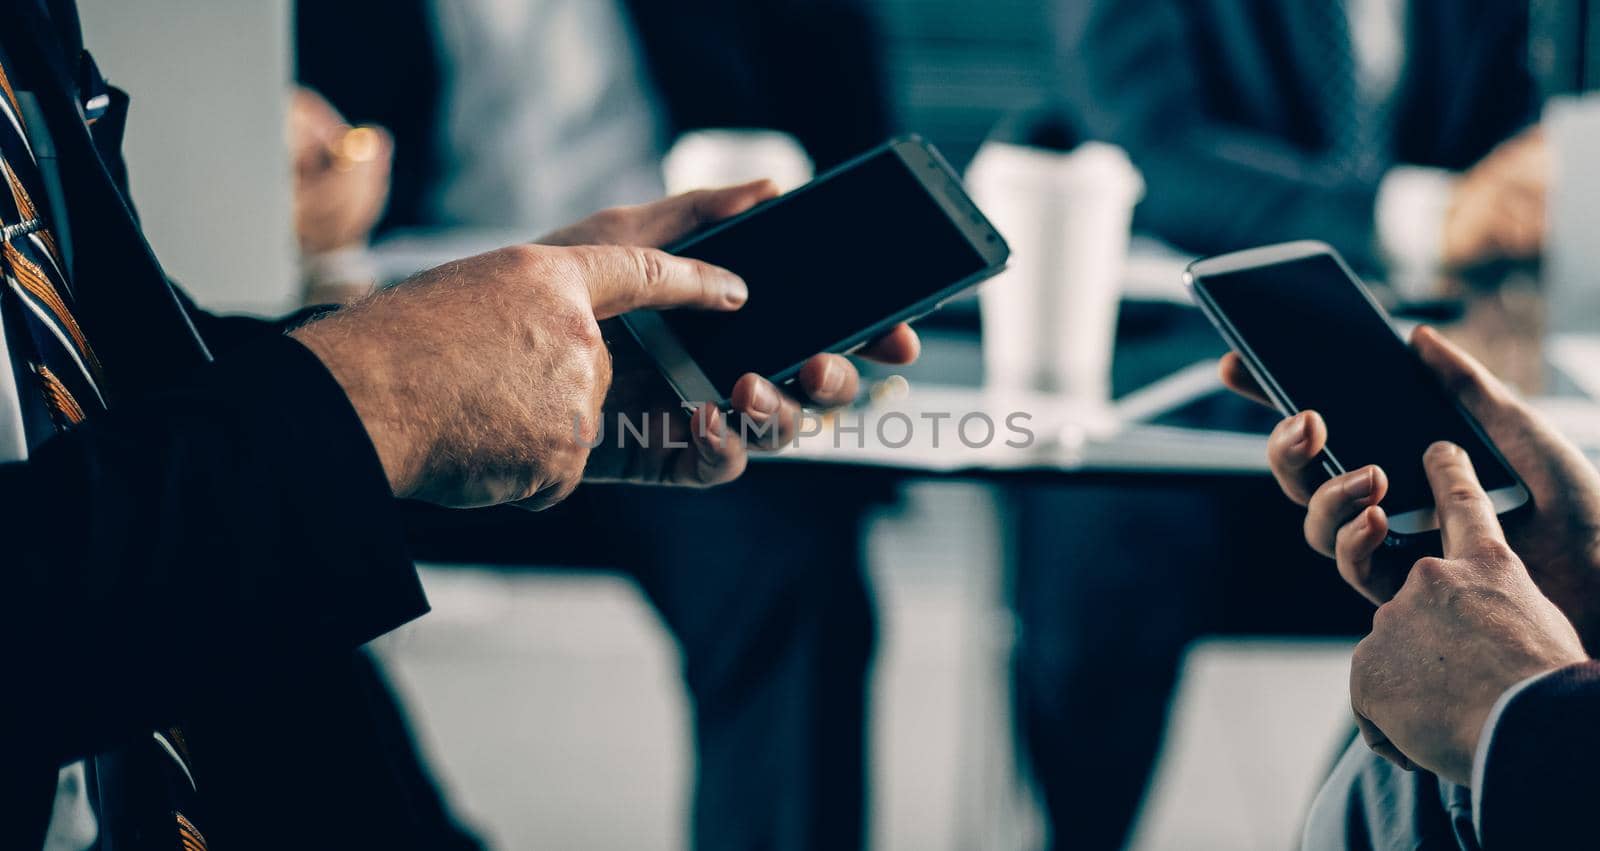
[919, 432]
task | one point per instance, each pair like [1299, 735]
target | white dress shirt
[13, 440]
[549, 116]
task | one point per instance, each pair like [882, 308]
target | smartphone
[1315, 339]
[882, 239]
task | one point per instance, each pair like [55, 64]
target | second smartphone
[1315, 339]
[882, 239]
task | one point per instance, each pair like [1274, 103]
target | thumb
[1479, 391]
[625, 278]
[671, 219]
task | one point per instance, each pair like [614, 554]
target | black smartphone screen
[823, 264]
[1332, 351]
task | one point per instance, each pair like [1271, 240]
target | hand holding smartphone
[1314, 339]
[880, 240]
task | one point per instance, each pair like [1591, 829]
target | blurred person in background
[510, 117]
[1399, 131]
[341, 185]
[511, 114]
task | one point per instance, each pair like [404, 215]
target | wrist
[342, 273]
[364, 370]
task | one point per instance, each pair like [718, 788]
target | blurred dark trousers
[1112, 579]
[762, 585]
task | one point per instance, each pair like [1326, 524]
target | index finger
[898, 347]
[1236, 377]
[1467, 519]
[621, 279]
[673, 218]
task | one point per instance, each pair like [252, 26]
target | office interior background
[550, 701]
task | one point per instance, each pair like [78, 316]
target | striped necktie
[37, 299]
[55, 350]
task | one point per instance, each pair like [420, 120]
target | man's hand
[1461, 631]
[1558, 537]
[481, 382]
[706, 450]
[341, 175]
[1499, 207]
[487, 380]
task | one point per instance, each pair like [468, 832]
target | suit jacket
[1217, 102]
[1540, 777]
[811, 68]
[225, 530]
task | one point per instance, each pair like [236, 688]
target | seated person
[1475, 695]
[1396, 130]
[1399, 131]
[517, 116]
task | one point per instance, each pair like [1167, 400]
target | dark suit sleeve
[1131, 77]
[1541, 777]
[233, 524]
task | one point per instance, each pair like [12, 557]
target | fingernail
[1362, 486]
[712, 429]
[1441, 450]
[1299, 432]
[832, 377]
[765, 398]
[735, 290]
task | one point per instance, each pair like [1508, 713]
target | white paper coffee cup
[1049, 322]
[707, 159]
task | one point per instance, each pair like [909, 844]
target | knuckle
[1314, 533]
[1346, 543]
[1431, 570]
[1353, 571]
[1493, 549]
[704, 283]
[1383, 617]
[578, 328]
[1462, 494]
[652, 267]
[1278, 444]
[529, 259]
